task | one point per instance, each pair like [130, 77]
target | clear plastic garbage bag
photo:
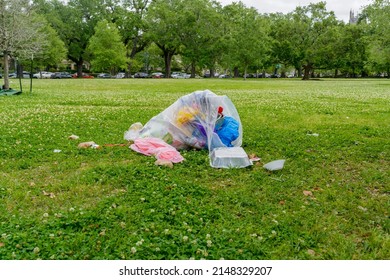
[201, 120]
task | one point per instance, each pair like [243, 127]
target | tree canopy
[204, 35]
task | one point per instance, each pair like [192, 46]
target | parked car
[84, 76]
[42, 75]
[61, 75]
[25, 75]
[104, 76]
[141, 75]
[223, 76]
[157, 75]
[120, 75]
[176, 75]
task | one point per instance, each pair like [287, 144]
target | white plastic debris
[313, 134]
[275, 165]
[133, 132]
[232, 157]
[57, 151]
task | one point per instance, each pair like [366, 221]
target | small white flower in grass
[142, 199]
[133, 250]
[166, 231]
[209, 243]
[185, 238]
[71, 209]
[157, 249]
[45, 215]
[36, 250]
[208, 236]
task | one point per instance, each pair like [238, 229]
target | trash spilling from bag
[200, 120]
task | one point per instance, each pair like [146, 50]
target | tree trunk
[193, 70]
[79, 68]
[235, 70]
[167, 60]
[128, 72]
[299, 69]
[6, 71]
[306, 73]
[212, 73]
[336, 72]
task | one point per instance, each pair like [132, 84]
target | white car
[43, 75]
[181, 75]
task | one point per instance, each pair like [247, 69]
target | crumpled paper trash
[89, 144]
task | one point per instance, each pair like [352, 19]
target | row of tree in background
[129, 35]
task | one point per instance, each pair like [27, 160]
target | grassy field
[331, 200]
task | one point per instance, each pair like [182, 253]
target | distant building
[352, 18]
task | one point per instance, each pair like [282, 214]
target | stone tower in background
[352, 18]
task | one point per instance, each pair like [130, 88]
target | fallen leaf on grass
[311, 252]
[307, 193]
[164, 163]
[2, 244]
[282, 202]
[253, 158]
[51, 195]
[362, 208]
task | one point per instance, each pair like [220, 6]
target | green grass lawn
[331, 200]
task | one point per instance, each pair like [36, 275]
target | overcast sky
[341, 8]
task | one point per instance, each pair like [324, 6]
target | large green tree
[54, 51]
[377, 17]
[21, 33]
[352, 50]
[247, 38]
[108, 53]
[74, 20]
[311, 31]
[200, 33]
[129, 16]
[164, 27]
